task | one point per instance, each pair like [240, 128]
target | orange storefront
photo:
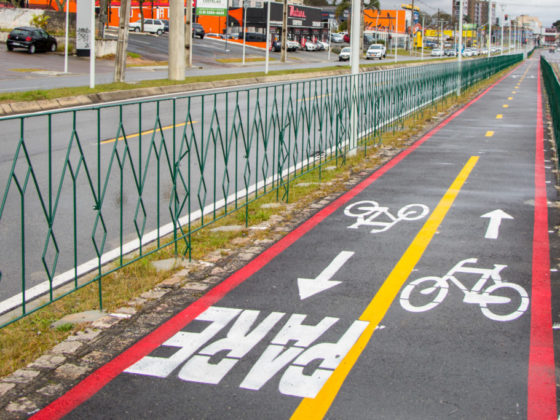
[385, 20]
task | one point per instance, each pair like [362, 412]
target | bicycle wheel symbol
[501, 301]
[380, 219]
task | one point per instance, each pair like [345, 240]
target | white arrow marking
[495, 217]
[310, 287]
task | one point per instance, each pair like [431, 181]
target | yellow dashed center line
[499, 116]
[489, 133]
[510, 98]
[131, 136]
[316, 408]
[313, 97]
[505, 106]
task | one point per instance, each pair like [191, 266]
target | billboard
[211, 7]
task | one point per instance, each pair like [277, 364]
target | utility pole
[188, 35]
[284, 31]
[122, 42]
[176, 68]
[411, 26]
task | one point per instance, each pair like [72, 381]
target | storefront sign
[211, 8]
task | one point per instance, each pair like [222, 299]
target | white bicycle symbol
[501, 301]
[366, 212]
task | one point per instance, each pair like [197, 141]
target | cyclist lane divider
[368, 321]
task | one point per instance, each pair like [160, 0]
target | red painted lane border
[541, 395]
[102, 376]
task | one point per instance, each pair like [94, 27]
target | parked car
[31, 39]
[346, 38]
[198, 30]
[310, 46]
[450, 52]
[337, 38]
[322, 45]
[154, 26]
[344, 54]
[375, 51]
[292, 45]
[467, 52]
[437, 52]
[166, 24]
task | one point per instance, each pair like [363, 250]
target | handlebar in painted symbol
[500, 301]
[369, 213]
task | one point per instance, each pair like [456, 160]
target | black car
[198, 30]
[166, 23]
[31, 39]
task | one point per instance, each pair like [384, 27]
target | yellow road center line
[313, 97]
[499, 116]
[131, 136]
[510, 98]
[489, 133]
[505, 106]
[514, 92]
[316, 408]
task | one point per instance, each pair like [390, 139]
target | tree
[427, 18]
[366, 5]
[557, 25]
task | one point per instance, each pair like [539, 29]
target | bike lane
[273, 345]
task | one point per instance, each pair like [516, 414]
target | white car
[310, 46]
[154, 26]
[344, 54]
[437, 52]
[292, 45]
[375, 51]
[322, 45]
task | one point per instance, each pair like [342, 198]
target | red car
[346, 38]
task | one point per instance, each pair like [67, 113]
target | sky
[548, 11]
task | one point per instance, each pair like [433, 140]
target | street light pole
[422, 37]
[489, 26]
[244, 28]
[396, 32]
[502, 30]
[267, 37]
[355, 69]
[460, 48]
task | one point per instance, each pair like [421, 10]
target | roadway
[20, 71]
[423, 292]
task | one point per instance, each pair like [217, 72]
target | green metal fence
[113, 183]
[552, 86]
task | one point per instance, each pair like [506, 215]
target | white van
[154, 26]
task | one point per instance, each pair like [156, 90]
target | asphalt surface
[424, 292]
[20, 71]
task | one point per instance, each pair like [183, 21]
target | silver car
[344, 54]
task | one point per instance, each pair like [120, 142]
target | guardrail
[114, 183]
[552, 86]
